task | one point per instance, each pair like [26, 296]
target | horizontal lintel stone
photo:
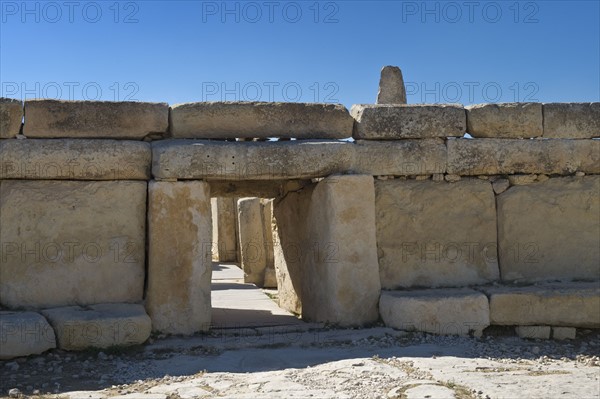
[505, 120]
[95, 119]
[11, 115]
[470, 157]
[221, 160]
[572, 120]
[393, 122]
[223, 120]
[75, 159]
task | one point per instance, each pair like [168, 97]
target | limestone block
[507, 156]
[400, 158]
[267, 213]
[11, 116]
[552, 304]
[179, 256]
[391, 86]
[75, 159]
[550, 230]
[393, 122]
[227, 231]
[223, 120]
[441, 311]
[435, 234]
[288, 269]
[572, 120]
[24, 334]
[505, 120]
[214, 252]
[253, 248]
[73, 238]
[305, 159]
[99, 326]
[561, 333]
[94, 119]
[318, 228]
[533, 332]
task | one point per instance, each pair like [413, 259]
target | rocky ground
[314, 362]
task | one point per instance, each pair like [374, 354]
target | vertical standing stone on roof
[391, 86]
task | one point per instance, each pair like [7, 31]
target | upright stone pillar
[226, 234]
[252, 240]
[391, 86]
[327, 237]
[179, 256]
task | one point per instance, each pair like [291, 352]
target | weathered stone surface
[179, 256]
[74, 239]
[215, 230]
[255, 188]
[400, 158]
[441, 311]
[393, 122]
[11, 116]
[432, 234]
[505, 120]
[334, 273]
[550, 230]
[222, 120]
[99, 326]
[94, 119]
[561, 333]
[75, 159]
[521, 180]
[24, 334]
[227, 229]
[195, 159]
[568, 305]
[267, 213]
[533, 332]
[253, 247]
[500, 185]
[288, 269]
[391, 86]
[572, 120]
[506, 156]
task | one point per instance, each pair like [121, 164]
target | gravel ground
[317, 363]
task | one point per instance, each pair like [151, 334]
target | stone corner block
[11, 116]
[223, 120]
[99, 326]
[438, 311]
[94, 119]
[505, 120]
[394, 122]
[572, 120]
[179, 256]
[24, 334]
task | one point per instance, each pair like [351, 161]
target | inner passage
[244, 282]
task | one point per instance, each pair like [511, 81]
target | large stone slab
[393, 122]
[508, 156]
[222, 120]
[227, 229]
[327, 235]
[569, 305]
[11, 117]
[83, 242]
[441, 311]
[436, 234]
[391, 86]
[179, 256]
[400, 158]
[24, 334]
[99, 326]
[505, 120]
[75, 159]
[550, 230]
[572, 120]
[94, 119]
[252, 240]
[196, 159]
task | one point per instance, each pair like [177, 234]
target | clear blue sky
[330, 51]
